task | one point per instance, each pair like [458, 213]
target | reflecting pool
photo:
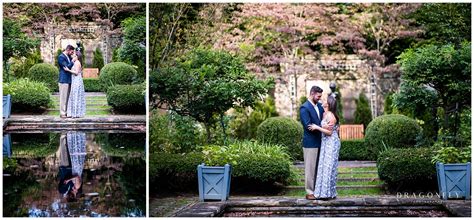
[73, 174]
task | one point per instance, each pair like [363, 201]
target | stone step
[331, 211]
[354, 179]
[338, 187]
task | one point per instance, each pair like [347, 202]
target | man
[64, 82]
[311, 112]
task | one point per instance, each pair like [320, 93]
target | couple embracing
[321, 145]
[72, 101]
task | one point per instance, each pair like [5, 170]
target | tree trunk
[208, 132]
[223, 129]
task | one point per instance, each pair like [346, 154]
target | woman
[72, 160]
[326, 177]
[76, 107]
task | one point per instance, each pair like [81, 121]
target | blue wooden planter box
[7, 106]
[454, 180]
[214, 182]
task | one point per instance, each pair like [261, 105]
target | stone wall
[350, 73]
[91, 35]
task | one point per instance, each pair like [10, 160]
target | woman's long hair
[332, 105]
[79, 57]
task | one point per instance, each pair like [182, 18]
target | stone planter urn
[454, 180]
[214, 182]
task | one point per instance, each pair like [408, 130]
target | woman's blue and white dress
[76, 105]
[326, 177]
[76, 144]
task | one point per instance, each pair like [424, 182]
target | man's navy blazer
[64, 76]
[308, 115]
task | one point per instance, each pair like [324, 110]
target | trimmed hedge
[118, 73]
[253, 165]
[44, 72]
[407, 168]
[355, 150]
[282, 131]
[127, 98]
[93, 85]
[27, 95]
[391, 131]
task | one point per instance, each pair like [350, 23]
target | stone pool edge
[458, 208]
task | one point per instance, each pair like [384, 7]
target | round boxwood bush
[44, 72]
[404, 169]
[127, 98]
[118, 73]
[27, 95]
[391, 131]
[282, 131]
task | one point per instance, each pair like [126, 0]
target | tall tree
[15, 43]
[204, 84]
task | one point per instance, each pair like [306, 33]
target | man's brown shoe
[63, 116]
[310, 197]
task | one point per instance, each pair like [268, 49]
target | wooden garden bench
[350, 132]
[90, 73]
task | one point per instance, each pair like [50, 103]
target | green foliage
[387, 106]
[446, 153]
[259, 164]
[15, 43]
[413, 99]
[172, 133]
[446, 68]
[445, 23]
[133, 49]
[392, 131]
[58, 53]
[303, 99]
[27, 95]
[355, 150]
[407, 168]
[118, 74]
[93, 85]
[45, 72]
[20, 65]
[35, 145]
[263, 163]
[282, 131]
[363, 114]
[98, 61]
[125, 145]
[206, 83]
[127, 98]
[215, 155]
[174, 171]
[246, 121]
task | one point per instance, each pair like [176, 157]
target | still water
[73, 174]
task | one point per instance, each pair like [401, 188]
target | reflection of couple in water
[72, 156]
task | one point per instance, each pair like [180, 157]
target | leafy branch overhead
[205, 83]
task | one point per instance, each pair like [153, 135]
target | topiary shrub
[127, 98]
[355, 150]
[93, 85]
[27, 95]
[394, 131]
[118, 73]
[44, 72]
[282, 131]
[404, 169]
